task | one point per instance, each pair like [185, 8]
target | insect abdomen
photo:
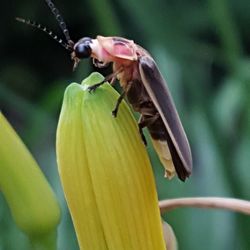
[166, 150]
[141, 102]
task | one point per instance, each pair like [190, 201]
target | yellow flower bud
[106, 173]
[31, 200]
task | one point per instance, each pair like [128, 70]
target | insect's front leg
[144, 122]
[92, 88]
[110, 77]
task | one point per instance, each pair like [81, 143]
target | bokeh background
[202, 48]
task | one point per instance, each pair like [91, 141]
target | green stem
[45, 242]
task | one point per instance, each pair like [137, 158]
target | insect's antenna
[44, 29]
[60, 21]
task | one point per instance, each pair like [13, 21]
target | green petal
[105, 172]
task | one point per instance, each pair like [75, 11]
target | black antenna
[60, 21]
[67, 46]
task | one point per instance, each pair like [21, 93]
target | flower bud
[105, 172]
[31, 200]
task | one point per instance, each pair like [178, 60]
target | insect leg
[106, 79]
[115, 110]
[141, 125]
[119, 100]
[97, 85]
[112, 81]
[144, 122]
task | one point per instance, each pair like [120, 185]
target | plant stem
[237, 205]
[44, 242]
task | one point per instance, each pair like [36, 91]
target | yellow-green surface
[105, 171]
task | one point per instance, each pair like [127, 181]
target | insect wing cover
[118, 46]
[158, 91]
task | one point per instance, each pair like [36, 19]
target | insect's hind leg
[144, 122]
[141, 125]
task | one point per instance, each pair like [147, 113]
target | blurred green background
[202, 49]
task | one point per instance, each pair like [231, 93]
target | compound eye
[83, 50]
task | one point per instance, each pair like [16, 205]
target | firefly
[143, 86]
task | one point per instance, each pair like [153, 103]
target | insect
[142, 84]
